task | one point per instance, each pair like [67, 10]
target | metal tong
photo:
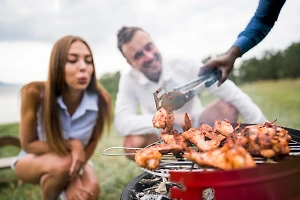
[181, 94]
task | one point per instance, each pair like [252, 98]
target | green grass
[278, 100]
[114, 172]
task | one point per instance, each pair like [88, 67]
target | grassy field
[278, 100]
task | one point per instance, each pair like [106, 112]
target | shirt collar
[88, 102]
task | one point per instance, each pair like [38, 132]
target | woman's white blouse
[78, 126]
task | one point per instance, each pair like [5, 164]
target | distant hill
[3, 84]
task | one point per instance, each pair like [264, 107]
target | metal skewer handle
[119, 154]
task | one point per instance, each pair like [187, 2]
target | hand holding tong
[181, 94]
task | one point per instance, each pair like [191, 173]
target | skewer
[119, 154]
[124, 148]
[170, 162]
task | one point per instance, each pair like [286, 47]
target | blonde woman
[62, 120]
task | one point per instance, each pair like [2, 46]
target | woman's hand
[77, 191]
[78, 157]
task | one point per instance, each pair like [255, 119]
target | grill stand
[269, 181]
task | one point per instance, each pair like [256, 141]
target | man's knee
[227, 111]
[230, 111]
[132, 141]
[219, 110]
[138, 141]
[227, 106]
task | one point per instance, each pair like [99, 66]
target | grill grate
[170, 162]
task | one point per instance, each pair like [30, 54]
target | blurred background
[182, 30]
[193, 30]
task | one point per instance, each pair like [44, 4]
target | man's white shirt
[136, 95]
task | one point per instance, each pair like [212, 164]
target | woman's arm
[260, 24]
[80, 155]
[90, 148]
[30, 101]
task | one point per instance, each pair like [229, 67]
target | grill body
[271, 181]
[267, 181]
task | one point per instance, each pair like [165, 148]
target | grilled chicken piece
[175, 138]
[238, 137]
[206, 127]
[168, 138]
[187, 123]
[163, 119]
[210, 133]
[197, 137]
[226, 158]
[267, 139]
[223, 127]
[214, 158]
[239, 157]
[150, 157]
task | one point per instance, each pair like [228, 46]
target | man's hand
[224, 63]
[78, 157]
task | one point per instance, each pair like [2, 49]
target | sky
[181, 29]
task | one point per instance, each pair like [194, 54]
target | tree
[272, 66]
[110, 82]
[291, 61]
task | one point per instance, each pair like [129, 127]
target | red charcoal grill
[276, 181]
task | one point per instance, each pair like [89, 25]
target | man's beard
[153, 76]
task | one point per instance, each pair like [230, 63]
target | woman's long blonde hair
[55, 86]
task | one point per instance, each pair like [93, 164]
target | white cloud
[24, 61]
[190, 29]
